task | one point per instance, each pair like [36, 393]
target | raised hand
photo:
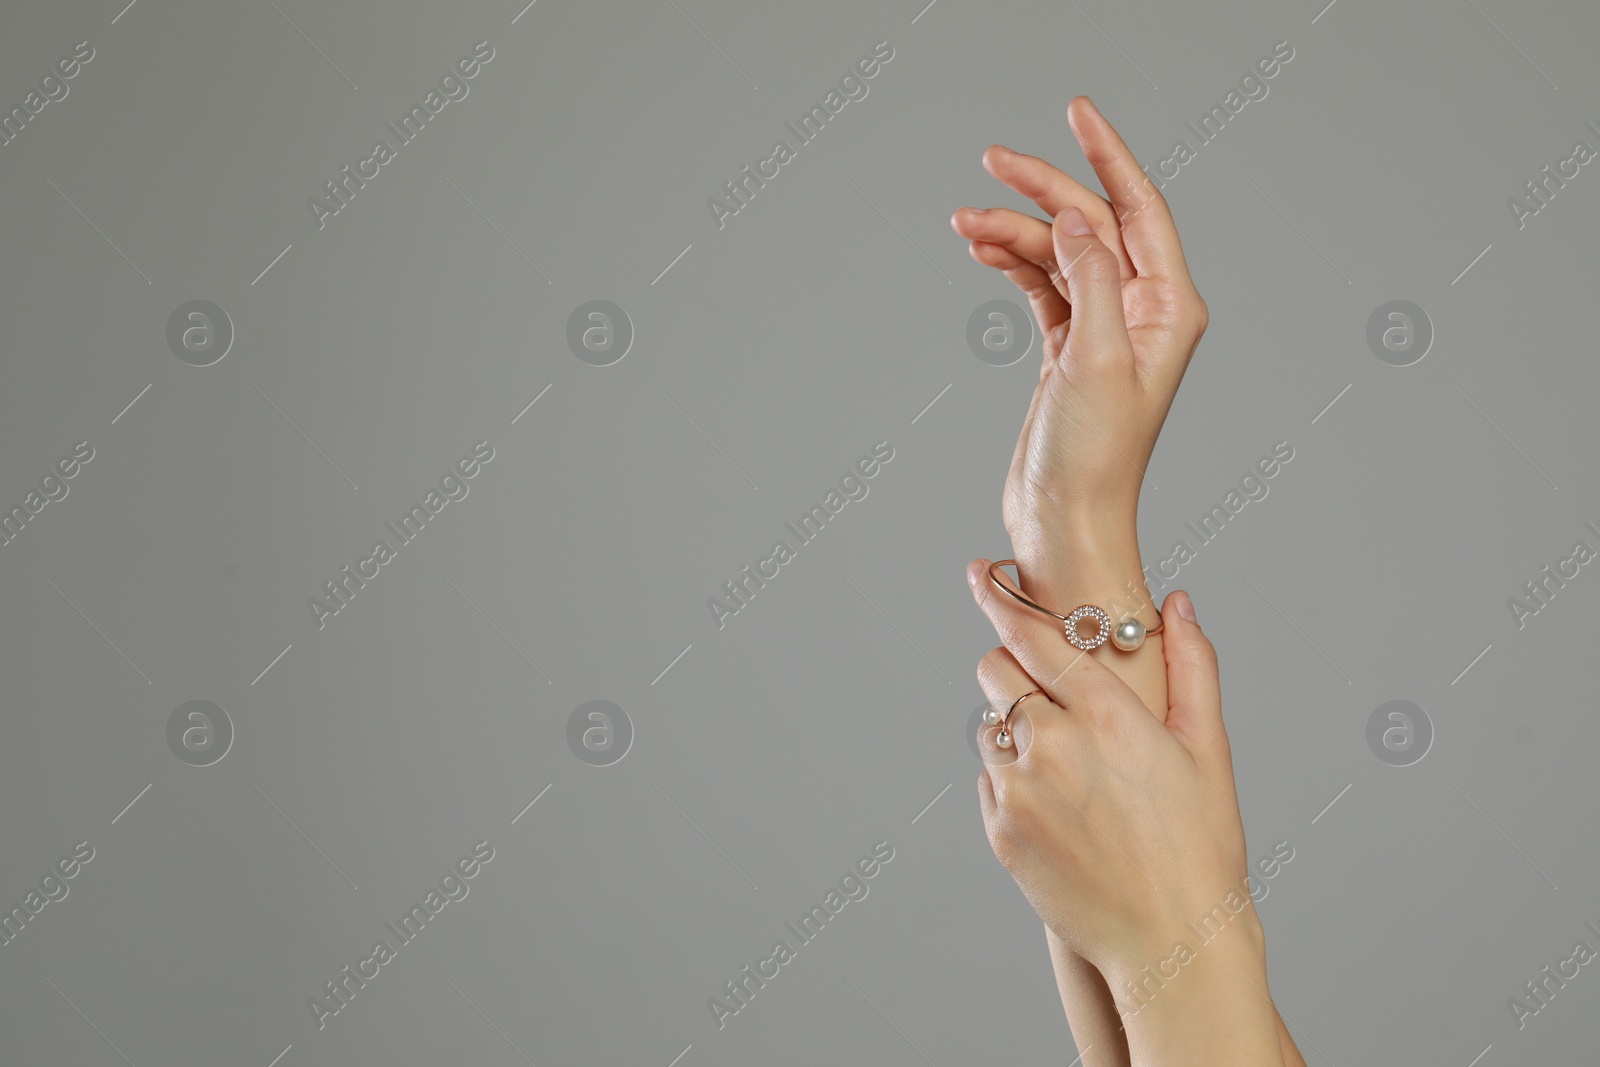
[1120, 318]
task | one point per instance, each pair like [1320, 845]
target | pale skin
[1119, 828]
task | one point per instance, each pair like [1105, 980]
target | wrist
[1200, 994]
[1063, 567]
[1106, 531]
[1228, 934]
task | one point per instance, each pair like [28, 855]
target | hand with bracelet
[1112, 824]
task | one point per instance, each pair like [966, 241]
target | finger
[989, 749]
[1148, 232]
[1055, 191]
[1194, 692]
[1090, 692]
[1044, 290]
[1049, 306]
[1065, 673]
[1025, 235]
[1099, 334]
[1004, 682]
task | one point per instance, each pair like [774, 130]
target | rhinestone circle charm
[1088, 611]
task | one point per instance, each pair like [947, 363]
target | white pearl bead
[1128, 635]
[1003, 739]
[991, 716]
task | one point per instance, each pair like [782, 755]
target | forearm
[1103, 567]
[1202, 1003]
[1091, 1010]
[1286, 1045]
[1105, 571]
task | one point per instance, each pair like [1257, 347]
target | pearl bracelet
[1126, 635]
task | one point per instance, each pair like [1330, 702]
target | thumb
[1194, 693]
[1098, 335]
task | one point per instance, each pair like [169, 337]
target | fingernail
[1074, 224]
[1185, 606]
[972, 576]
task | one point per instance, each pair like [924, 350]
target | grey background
[831, 712]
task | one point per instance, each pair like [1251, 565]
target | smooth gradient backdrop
[1395, 233]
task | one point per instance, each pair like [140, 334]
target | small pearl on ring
[1003, 739]
[991, 716]
[1128, 635]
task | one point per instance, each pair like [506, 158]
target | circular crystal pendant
[1088, 611]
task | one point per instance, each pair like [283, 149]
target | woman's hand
[1120, 318]
[1124, 833]
[1119, 828]
[1071, 494]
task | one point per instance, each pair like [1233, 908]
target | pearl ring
[992, 717]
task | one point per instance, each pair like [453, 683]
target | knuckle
[1148, 195]
[1099, 704]
[1095, 264]
[1099, 212]
[1018, 827]
[989, 665]
[1014, 636]
[1094, 709]
[1188, 311]
[1203, 654]
[1004, 846]
[1036, 289]
[1010, 832]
